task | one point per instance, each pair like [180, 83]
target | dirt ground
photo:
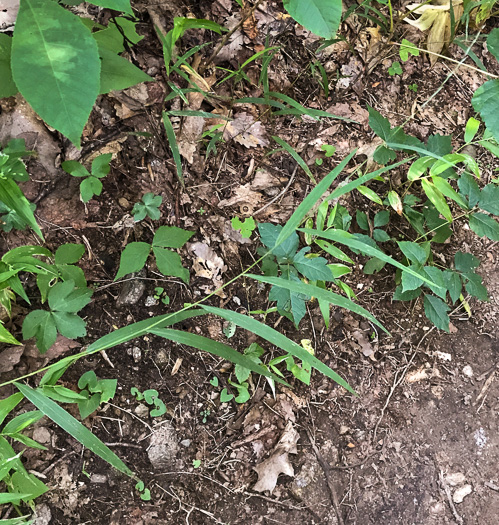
[419, 445]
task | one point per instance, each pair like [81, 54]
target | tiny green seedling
[225, 397]
[148, 207]
[214, 381]
[96, 391]
[196, 463]
[160, 295]
[145, 493]
[413, 87]
[151, 398]
[91, 184]
[328, 150]
[246, 227]
[395, 69]
[205, 414]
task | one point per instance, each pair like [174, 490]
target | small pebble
[468, 371]
[185, 443]
[461, 493]
[455, 478]
[98, 478]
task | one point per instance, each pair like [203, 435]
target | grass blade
[294, 154]
[73, 427]
[351, 241]
[122, 335]
[214, 347]
[319, 293]
[278, 339]
[172, 141]
[308, 202]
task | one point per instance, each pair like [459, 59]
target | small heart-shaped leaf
[225, 397]
[136, 393]
[214, 381]
[150, 396]
[160, 408]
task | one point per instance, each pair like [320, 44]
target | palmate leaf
[73, 427]
[279, 340]
[214, 347]
[55, 65]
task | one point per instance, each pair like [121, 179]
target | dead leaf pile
[207, 264]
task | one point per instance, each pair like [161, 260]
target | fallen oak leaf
[278, 463]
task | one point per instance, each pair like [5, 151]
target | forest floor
[424, 427]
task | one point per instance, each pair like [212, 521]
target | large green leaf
[133, 258]
[170, 263]
[7, 86]
[117, 5]
[118, 73]
[486, 102]
[214, 347]
[55, 65]
[278, 339]
[73, 427]
[322, 17]
[493, 43]
[484, 225]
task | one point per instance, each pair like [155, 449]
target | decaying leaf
[436, 18]
[207, 263]
[278, 463]
[244, 130]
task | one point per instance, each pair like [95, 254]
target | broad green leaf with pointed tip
[436, 311]
[69, 253]
[484, 225]
[133, 258]
[171, 237]
[322, 17]
[170, 263]
[486, 101]
[55, 65]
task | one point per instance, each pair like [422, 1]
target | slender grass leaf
[8, 404]
[172, 141]
[314, 291]
[351, 241]
[192, 113]
[73, 427]
[436, 198]
[214, 347]
[122, 335]
[308, 202]
[278, 339]
[56, 65]
[294, 154]
[13, 197]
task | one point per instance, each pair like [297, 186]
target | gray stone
[131, 291]
[164, 447]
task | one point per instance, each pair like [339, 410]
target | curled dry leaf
[436, 18]
[278, 463]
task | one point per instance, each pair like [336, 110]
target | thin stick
[446, 488]
[325, 468]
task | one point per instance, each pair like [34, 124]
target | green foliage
[180, 26]
[64, 300]
[149, 207]
[150, 396]
[16, 209]
[91, 184]
[60, 65]
[395, 69]
[407, 48]
[160, 295]
[96, 391]
[135, 254]
[246, 227]
[322, 17]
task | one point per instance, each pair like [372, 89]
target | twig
[396, 382]
[446, 488]
[227, 36]
[291, 179]
[325, 467]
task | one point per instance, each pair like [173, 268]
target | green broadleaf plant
[91, 184]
